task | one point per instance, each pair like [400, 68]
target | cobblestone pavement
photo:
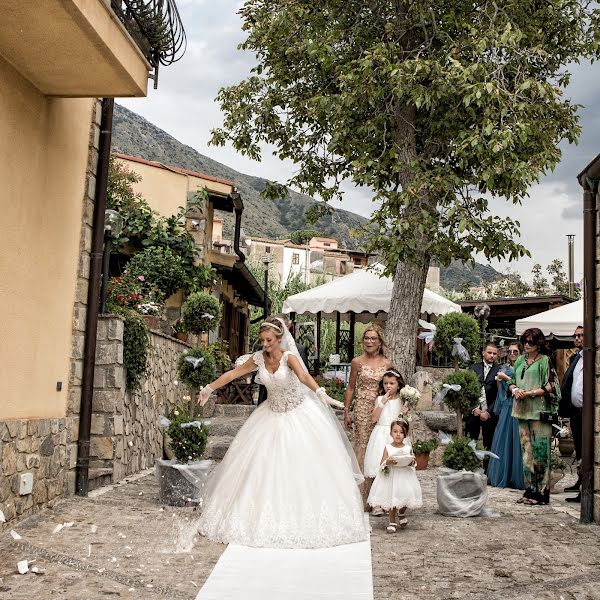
[144, 552]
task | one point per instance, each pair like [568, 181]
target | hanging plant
[201, 312]
[136, 345]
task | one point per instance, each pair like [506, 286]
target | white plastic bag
[462, 493]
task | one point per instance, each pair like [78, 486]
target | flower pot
[422, 460]
[566, 446]
[181, 484]
[152, 321]
[183, 336]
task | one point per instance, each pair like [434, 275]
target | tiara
[272, 326]
[393, 372]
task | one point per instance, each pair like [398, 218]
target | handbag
[549, 417]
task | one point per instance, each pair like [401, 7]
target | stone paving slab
[141, 550]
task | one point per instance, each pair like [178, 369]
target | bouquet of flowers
[410, 395]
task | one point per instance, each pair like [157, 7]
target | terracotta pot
[566, 446]
[182, 335]
[152, 321]
[422, 460]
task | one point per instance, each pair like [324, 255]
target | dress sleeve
[258, 359]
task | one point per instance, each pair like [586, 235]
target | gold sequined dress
[366, 392]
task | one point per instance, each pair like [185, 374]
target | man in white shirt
[572, 403]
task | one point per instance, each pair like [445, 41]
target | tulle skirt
[380, 437]
[399, 489]
[285, 482]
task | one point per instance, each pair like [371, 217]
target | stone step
[217, 446]
[225, 426]
[233, 410]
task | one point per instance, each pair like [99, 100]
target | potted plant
[181, 332]
[151, 312]
[181, 479]
[461, 484]
[566, 445]
[421, 450]
[453, 326]
[201, 312]
[464, 400]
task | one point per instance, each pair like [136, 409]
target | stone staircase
[226, 421]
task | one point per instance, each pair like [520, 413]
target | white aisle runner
[339, 573]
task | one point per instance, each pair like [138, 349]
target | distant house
[166, 188]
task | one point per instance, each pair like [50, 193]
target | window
[295, 258]
[326, 244]
[268, 249]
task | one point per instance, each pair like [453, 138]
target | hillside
[134, 135]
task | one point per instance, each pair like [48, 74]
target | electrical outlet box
[25, 484]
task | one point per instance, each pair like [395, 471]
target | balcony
[90, 48]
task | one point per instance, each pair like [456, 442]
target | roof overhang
[243, 282]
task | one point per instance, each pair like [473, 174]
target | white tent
[558, 322]
[363, 291]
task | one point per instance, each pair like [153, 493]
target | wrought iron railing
[156, 27]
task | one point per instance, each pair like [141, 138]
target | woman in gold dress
[366, 372]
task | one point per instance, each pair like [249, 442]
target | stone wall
[126, 435]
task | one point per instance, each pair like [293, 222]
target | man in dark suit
[571, 404]
[483, 418]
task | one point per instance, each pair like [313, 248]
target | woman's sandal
[377, 511]
[403, 522]
[391, 528]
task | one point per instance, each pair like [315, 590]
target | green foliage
[201, 276]
[458, 455]
[201, 312]
[334, 387]
[160, 268]
[188, 443]
[436, 107]
[540, 283]
[122, 293]
[423, 446]
[467, 398]
[510, 286]
[456, 325]
[136, 344]
[201, 375]
[220, 352]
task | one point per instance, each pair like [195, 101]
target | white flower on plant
[149, 308]
[176, 413]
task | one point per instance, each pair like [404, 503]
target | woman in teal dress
[530, 387]
[507, 472]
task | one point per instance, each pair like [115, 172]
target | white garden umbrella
[557, 322]
[363, 292]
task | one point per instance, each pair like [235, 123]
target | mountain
[134, 135]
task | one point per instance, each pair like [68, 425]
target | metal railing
[156, 27]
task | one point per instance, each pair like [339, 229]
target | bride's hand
[323, 397]
[205, 393]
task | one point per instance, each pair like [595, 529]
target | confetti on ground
[15, 535]
[22, 567]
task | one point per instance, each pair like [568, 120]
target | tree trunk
[403, 317]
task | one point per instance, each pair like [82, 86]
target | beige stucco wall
[43, 159]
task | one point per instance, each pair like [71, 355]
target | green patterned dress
[535, 436]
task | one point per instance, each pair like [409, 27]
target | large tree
[435, 106]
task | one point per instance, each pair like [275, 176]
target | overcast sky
[184, 107]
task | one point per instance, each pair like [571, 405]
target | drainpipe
[238, 209]
[91, 321]
[589, 349]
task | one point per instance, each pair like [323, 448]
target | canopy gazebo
[559, 323]
[362, 296]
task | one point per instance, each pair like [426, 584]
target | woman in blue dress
[507, 471]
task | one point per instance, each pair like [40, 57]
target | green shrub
[220, 352]
[422, 446]
[456, 325]
[136, 344]
[201, 312]
[202, 276]
[188, 443]
[158, 269]
[467, 398]
[458, 455]
[201, 375]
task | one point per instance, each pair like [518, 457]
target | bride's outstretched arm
[224, 379]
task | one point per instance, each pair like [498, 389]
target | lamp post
[113, 225]
[482, 312]
[266, 259]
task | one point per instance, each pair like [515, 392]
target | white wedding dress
[287, 480]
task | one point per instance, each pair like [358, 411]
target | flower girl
[388, 408]
[396, 486]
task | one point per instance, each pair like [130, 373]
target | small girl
[388, 408]
[396, 486]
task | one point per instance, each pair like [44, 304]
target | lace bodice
[284, 390]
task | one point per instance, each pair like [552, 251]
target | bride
[289, 478]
